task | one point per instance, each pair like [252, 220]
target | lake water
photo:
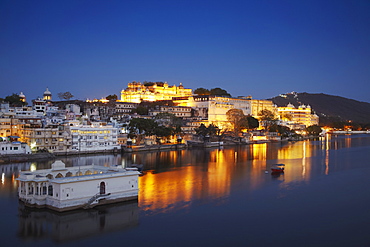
[214, 197]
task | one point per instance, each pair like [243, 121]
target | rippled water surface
[214, 197]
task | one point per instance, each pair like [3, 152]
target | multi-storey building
[95, 137]
[52, 138]
[178, 111]
[297, 117]
[257, 105]
[123, 109]
[137, 92]
[212, 109]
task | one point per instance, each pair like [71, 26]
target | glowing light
[33, 167]
[3, 178]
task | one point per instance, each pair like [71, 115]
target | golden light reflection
[33, 167]
[348, 141]
[293, 155]
[259, 151]
[304, 160]
[165, 191]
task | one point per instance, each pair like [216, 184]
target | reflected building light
[33, 167]
[3, 178]
[123, 163]
[259, 151]
[327, 162]
[348, 141]
[327, 144]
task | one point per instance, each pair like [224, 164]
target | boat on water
[64, 188]
[277, 168]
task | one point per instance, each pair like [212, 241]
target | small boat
[277, 168]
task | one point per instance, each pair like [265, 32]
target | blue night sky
[260, 48]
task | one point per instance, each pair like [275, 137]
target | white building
[94, 137]
[7, 148]
[65, 188]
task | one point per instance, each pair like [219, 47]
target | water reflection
[63, 227]
[176, 179]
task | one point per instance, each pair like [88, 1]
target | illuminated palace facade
[212, 109]
[137, 92]
[297, 117]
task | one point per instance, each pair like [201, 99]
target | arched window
[59, 175]
[44, 189]
[69, 174]
[102, 188]
[88, 172]
[49, 176]
[50, 190]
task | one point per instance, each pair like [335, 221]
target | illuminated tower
[22, 96]
[47, 94]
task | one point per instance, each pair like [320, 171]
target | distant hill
[328, 107]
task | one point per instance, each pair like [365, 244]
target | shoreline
[18, 158]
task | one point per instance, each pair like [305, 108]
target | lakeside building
[11, 145]
[95, 137]
[64, 188]
[51, 138]
[297, 118]
[137, 92]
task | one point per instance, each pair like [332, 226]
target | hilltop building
[137, 92]
[210, 109]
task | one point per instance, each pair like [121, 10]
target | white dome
[47, 92]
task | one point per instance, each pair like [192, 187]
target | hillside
[328, 107]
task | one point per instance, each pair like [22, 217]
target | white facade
[95, 137]
[65, 188]
[7, 148]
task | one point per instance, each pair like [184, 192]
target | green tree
[267, 117]
[282, 130]
[139, 127]
[141, 110]
[202, 91]
[219, 92]
[65, 96]
[201, 130]
[252, 122]
[168, 119]
[163, 132]
[14, 100]
[237, 119]
[112, 97]
[314, 130]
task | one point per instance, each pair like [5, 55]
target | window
[44, 189]
[50, 192]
